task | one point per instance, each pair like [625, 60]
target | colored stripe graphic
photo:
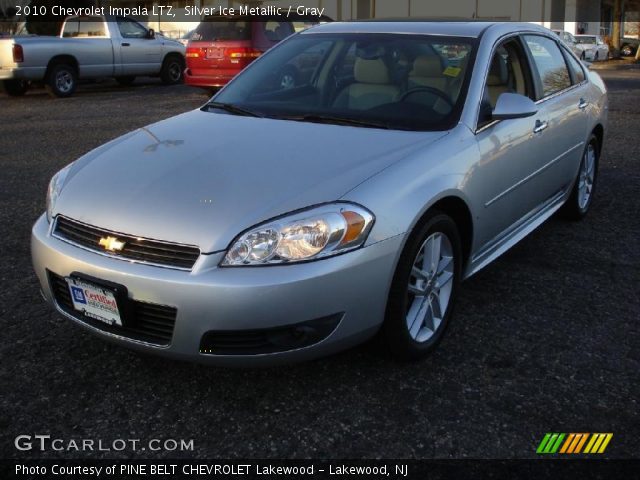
[553, 443]
[543, 443]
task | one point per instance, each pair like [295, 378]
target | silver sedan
[285, 222]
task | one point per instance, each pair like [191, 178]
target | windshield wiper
[330, 119]
[229, 107]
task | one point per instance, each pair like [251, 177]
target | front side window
[130, 29]
[551, 67]
[392, 81]
[508, 73]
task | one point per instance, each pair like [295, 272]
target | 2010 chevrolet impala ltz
[287, 222]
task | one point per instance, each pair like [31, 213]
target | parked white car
[89, 47]
[596, 44]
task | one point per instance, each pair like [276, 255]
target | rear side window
[551, 68]
[84, 27]
[276, 31]
[225, 30]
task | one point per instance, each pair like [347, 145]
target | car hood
[202, 178]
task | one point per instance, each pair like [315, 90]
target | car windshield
[586, 39]
[406, 82]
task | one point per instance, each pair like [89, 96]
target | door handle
[583, 104]
[126, 44]
[540, 126]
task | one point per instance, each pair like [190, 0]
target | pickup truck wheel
[16, 88]
[62, 80]
[125, 81]
[172, 69]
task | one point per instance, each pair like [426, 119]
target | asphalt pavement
[546, 339]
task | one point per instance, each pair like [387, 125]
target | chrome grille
[137, 249]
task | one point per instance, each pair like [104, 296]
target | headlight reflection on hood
[307, 235]
[55, 187]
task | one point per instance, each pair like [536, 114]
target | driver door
[139, 54]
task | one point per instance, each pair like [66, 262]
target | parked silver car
[281, 224]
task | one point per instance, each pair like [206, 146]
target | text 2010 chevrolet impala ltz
[287, 223]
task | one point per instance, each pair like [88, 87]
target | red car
[222, 46]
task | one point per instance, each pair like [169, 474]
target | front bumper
[354, 285]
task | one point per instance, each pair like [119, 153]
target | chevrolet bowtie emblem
[111, 244]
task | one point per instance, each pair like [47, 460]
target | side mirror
[151, 34]
[513, 105]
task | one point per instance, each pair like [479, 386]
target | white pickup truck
[89, 47]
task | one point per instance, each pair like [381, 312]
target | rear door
[139, 54]
[562, 98]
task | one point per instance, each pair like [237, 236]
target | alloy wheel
[64, 81]
[430, 286]
[587, 176]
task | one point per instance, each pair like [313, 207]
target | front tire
[424, 288]
[172, 70]
[62, 80]
[15, 88]
[581, 197]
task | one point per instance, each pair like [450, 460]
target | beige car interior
[372, 86]
[505, 73]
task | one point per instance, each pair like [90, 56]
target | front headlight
[307, 235]
[55, 186]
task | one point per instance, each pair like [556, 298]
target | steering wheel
[434, 91]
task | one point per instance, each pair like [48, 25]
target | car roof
[454, 28]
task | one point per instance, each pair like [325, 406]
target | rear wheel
[424, 288]
[15, 88]
[581, 197]
[172, 70]
[62, 80]
[125, 81]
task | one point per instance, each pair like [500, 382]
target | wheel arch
[62, 59]
[598, 131]
[172, 54]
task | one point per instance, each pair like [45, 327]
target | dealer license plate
[94, 301]
[214, 53]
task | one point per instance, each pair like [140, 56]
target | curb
[625, 66]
